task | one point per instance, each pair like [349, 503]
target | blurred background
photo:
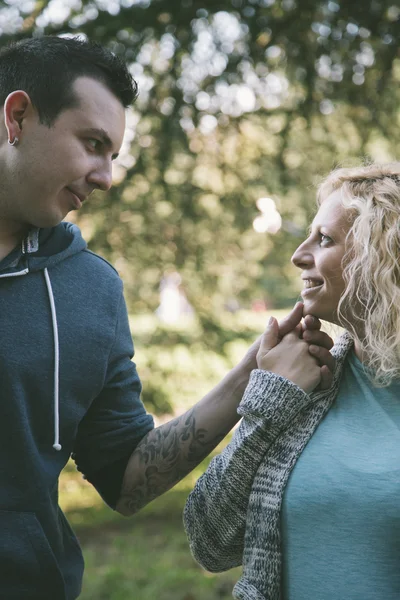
[244, 106]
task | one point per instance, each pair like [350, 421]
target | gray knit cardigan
[232, 517]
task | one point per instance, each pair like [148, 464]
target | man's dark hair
[46, 68]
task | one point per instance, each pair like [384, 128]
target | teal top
[341, 507]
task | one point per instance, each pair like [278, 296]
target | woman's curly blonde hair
[369, 307]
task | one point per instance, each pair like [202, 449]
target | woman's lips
[311, 286]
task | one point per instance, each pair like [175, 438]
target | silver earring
[14, 142]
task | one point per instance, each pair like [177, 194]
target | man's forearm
[171, 451]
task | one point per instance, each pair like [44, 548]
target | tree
[240, 99]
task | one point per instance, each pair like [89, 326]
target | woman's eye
[324, 239]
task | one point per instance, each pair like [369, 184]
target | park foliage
[238, 100]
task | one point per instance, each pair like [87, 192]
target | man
[68, 385]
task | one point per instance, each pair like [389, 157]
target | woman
[307, 494]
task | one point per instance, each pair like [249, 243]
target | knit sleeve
[215, 512]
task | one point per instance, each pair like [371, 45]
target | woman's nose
[302, 257]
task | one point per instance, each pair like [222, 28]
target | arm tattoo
[164, 457]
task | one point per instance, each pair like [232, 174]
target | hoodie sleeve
[116, 420]
[215, 512]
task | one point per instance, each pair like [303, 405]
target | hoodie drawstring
[56, 445]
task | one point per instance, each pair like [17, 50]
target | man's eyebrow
[104, 137]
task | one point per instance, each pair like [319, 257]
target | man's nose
[101, 177]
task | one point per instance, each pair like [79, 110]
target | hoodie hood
[43, 248]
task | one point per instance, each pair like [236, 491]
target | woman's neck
[361, 355]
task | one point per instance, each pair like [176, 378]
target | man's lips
[78, 198]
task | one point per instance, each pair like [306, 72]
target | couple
[69, 387]
[306, 495]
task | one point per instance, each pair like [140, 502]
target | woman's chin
[316, 310]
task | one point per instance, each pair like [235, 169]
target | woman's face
[320, 259]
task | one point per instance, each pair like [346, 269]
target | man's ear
[16, 106]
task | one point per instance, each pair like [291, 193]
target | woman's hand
[292, 357]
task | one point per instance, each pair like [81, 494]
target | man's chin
[44, 224]
[48, 220]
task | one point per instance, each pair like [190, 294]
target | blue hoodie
[67, 385]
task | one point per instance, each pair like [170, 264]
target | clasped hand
[298, 352]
